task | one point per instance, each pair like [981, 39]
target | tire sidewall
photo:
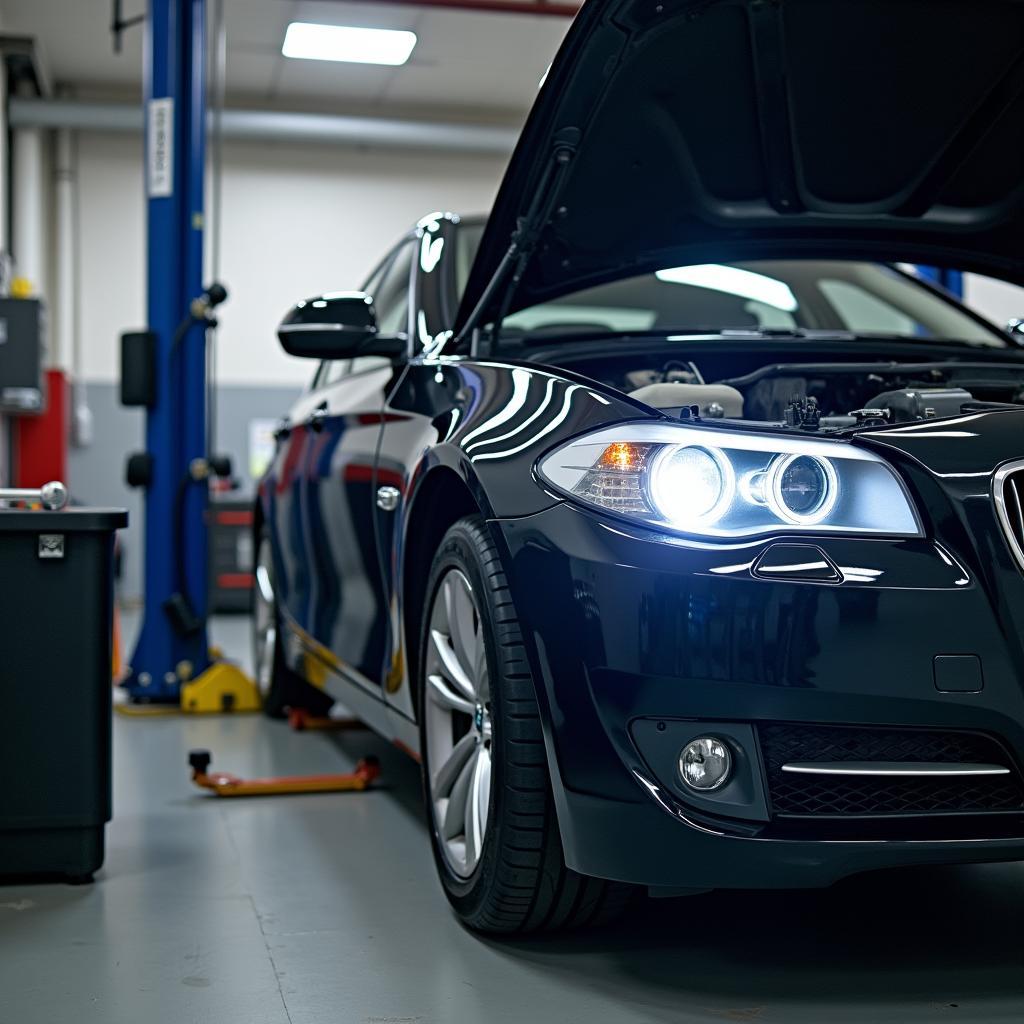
[459, 551]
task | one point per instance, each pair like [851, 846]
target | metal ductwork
[280, 126]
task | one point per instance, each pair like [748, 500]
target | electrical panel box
[22, 350]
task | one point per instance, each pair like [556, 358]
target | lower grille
[842, 796]
[1009, 495]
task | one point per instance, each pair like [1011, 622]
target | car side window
[391, 297]
[334, 371]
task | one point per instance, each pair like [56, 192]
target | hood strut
[525, 237]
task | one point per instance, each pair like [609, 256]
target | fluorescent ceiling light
[309, 41]
[733, 281]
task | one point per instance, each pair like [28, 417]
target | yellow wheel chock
[222, 687]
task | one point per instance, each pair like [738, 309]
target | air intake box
[921, 403]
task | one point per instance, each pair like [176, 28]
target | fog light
[705, 763]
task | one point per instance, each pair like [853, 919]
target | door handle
[317, 417]
[387, 498]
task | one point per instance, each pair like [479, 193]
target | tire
[507, 873]
[280, 688]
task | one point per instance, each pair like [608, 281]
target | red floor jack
[302, 721]
[224, 784]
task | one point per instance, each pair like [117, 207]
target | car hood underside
[692, 131]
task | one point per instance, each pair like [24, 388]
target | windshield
[864, 299]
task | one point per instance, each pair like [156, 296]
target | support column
[41, 443]
[172, 647]
[951, 280]
[65, 290]
[28, 217]
[5, 237]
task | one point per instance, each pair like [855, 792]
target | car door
[285, 506]
[348, 607]
[412, 417]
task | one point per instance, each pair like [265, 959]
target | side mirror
[1015, 329]
[340, 325]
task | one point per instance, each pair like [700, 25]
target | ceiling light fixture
[308, 41]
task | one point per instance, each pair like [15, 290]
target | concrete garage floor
[296, 910]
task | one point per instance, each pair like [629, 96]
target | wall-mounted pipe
[64, 313]
[66, 292]
[281, 126]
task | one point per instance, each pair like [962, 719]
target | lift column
[171, 650]
[951, 280]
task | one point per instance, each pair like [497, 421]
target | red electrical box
[41, 441]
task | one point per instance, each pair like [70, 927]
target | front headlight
[720, 483]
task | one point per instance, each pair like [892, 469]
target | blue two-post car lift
[172, 662]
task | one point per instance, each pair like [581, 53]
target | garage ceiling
[465, 63]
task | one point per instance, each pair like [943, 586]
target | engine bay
[821, 393]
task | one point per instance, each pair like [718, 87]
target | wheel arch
[442, 498]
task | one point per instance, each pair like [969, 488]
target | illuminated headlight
[802, 489]
[720, 483]
[690, 485]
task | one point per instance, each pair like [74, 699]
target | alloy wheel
[458, 731]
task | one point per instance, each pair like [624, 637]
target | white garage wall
[997, 300]
[296, 221]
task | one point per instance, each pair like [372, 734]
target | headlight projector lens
[692, 485]
[803, 489]
[705, 763]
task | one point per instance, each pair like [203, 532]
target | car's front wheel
[486, 784]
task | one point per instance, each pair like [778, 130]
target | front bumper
[623, 625]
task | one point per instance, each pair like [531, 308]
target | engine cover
[921, 403]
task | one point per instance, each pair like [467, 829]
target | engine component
[677, 395]
[921, 403]
[803, 413]
[857, 418]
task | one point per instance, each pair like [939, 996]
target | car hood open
[696, 131]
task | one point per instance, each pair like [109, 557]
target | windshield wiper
[839, 334]
[556, 332]
[787, 332]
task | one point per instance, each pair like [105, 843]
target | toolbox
[56, 612]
